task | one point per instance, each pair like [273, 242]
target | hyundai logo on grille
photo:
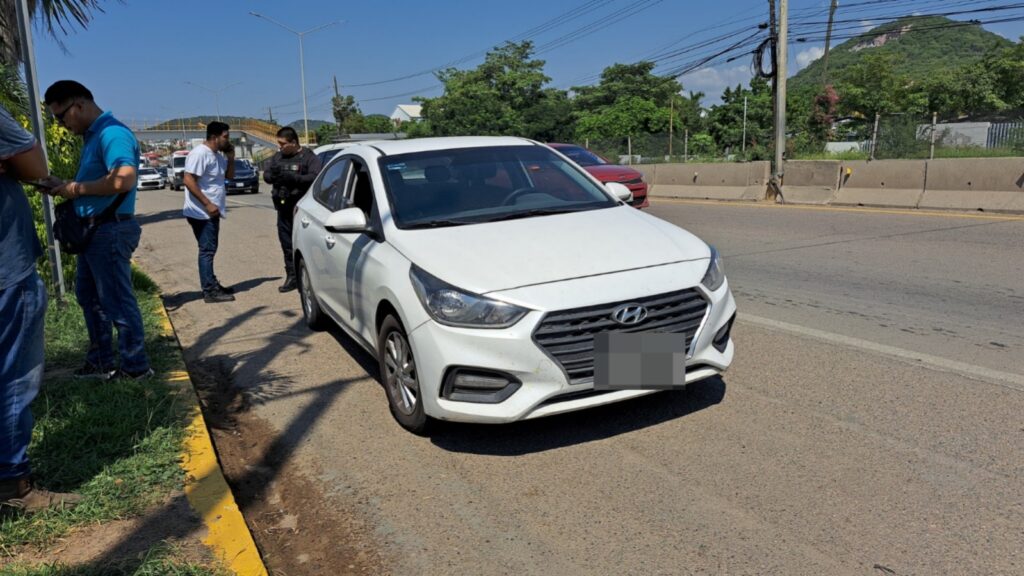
[630, 314]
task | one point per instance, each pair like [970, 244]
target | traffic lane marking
[906, 212]
[996, 377]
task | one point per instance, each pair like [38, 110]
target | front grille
[568, 335]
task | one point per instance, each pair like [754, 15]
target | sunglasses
[60, 115]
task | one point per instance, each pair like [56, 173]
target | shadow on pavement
[552, 432]
[163, 216]
[178, 299]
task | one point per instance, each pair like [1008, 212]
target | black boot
[289, 284]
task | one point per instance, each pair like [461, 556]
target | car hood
[612, 172]
[504, 255]
[150, 176]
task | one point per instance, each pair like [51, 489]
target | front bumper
[545, 387]
[242, 185]
[149, 184]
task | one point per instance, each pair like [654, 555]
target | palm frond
[56, 17]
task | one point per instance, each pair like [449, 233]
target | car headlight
[456, 307]
[715, 275]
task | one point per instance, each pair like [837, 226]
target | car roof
[391, 147]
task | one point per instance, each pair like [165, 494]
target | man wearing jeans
[110, 158]
[22, 306]
[205, 202]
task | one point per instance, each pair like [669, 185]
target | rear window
[581, 155]
[178, 162]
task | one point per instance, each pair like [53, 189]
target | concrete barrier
[810, 181]
[991, 184]
[714, 181]
[898, 183]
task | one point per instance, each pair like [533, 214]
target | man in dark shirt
[22, 306]
[291, 172]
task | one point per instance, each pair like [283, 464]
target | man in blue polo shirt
[110, 158]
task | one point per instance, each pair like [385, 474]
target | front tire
[400, 377]
[311, 312]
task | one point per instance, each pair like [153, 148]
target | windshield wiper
[440, 224]
[535, 212]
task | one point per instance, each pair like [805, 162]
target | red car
[607, 172]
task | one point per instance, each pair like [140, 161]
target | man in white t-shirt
[205, 202]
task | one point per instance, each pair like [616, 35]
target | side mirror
[346, 220]
[620, 191]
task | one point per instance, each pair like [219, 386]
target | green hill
[193, 122]
[313, 124]
[920, 46]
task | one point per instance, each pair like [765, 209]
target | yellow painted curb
[206, 489]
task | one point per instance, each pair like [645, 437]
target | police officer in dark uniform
[291, 172]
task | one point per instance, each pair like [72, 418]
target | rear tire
[311, 312]
[400, 378]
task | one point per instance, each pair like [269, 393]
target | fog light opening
[721, 339]
[478, 385]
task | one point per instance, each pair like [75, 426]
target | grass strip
[118, 443]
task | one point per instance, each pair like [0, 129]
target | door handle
[330, 241]
[304, 221]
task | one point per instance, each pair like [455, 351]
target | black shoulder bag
[75, 233]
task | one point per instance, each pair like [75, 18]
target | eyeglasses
[60, 115]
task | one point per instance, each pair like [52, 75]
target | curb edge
[206, 488]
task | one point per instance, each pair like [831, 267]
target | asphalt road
[871, 423]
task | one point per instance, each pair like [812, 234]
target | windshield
[581, 155]
[147, 172]
[178, 162]
[242, 165]
[474, 185]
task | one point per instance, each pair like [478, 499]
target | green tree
[1007, 70]
[378, 124]
[872, 86]
[629, 116]
[502, 96]
[726, 119]
[326, 133]
[347, 115]
[620, 81]
[964, 91]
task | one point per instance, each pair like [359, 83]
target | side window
[360, 193]
[330, 188]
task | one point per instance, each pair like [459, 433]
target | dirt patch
[124, 543]
[295, 532]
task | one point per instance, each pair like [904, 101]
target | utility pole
[337, 98]
[782, 54]
[270, 112]
[39, 130]
[874, 136]
[935, 120]
[828, 43]
[743, 147]
[671, 117]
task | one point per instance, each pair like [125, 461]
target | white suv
[482, 271]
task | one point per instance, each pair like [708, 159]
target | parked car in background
[608, 172]
[150, 179]
[176, 172]
[328, 151]
[481, 271]
[245, 180]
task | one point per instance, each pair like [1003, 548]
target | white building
[406, 113]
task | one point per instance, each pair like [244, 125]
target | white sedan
[488, 275]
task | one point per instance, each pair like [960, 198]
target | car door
[359, 248]
[324, 259]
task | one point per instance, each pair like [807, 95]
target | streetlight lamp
[302, 65]
[215, 91]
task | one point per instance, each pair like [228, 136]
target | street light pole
[215, 91]
[302, 63]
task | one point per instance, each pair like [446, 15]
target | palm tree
[57, 17]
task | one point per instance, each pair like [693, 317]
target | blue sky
[137, 56]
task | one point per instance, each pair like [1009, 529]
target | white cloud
[713, 81]
[866, 25]
[804, 58]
